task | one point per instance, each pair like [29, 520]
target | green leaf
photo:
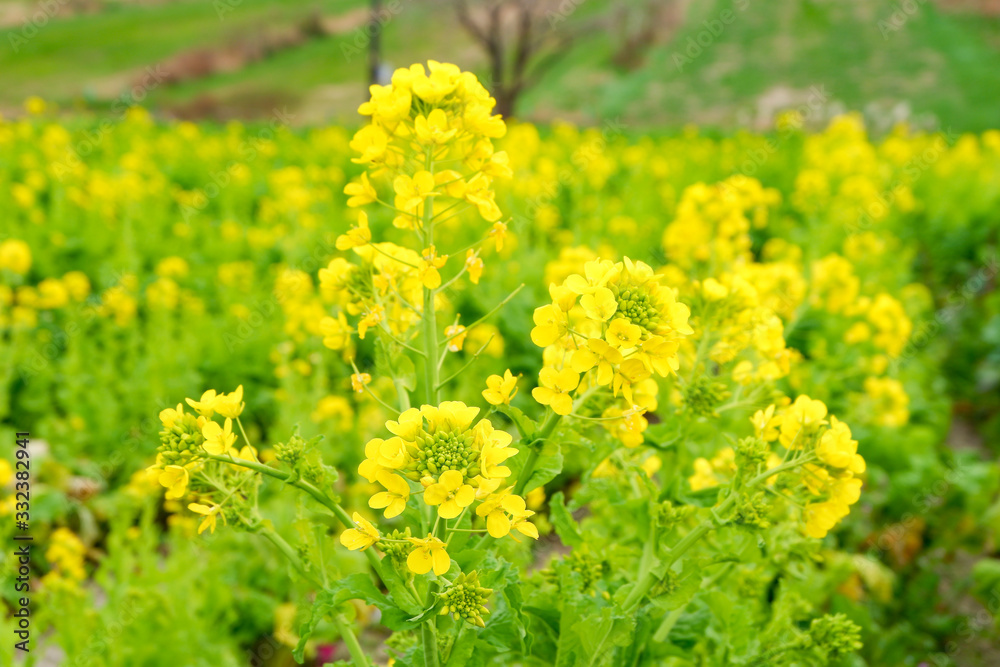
[564, 522]
[547, 466]
[392, 361]
[601, 633]
[687, 585]
[505, 625]
[690, 627]
[354, 587]
[525, 426]
[419, 618]
[405, 372]
[462, 649]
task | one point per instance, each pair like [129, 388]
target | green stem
[318, 495]
[548, 426]
[429, 321]
[647, 580]
[488, 315]
[469, 363]
[428, 638]
[402, 395]
[432, 380]
[343, 627]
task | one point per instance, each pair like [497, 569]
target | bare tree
[522, 40]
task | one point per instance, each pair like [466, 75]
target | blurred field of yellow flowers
[305, 384]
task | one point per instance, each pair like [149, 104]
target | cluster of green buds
[434, 453]
[465, 599]
[703, 395]
[291, 453]
[752, 581]
[668, 585]
[396, 546]
[590, 569]
[180, 439]
[668, 515]
[304, 458]
[752, 511]
[751, 454]
[636, 306]
[834, 635]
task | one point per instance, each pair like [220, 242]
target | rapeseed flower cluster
[614, 326]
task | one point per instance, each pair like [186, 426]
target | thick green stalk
[343, 627]
[429, 321]
[428, 638]
[548, 426]
[428, 317]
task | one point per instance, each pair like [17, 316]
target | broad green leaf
[564, 522]
[600, 634]
[687, 585]
[354, 587]
[526, 427]
[548, 464]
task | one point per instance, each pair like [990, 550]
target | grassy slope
[70, 56]
[938, 63]
[945, 65]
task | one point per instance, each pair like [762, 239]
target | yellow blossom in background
[15, 256]
[455, 335]
[474, 265]
[359, 381]
[890, 402]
